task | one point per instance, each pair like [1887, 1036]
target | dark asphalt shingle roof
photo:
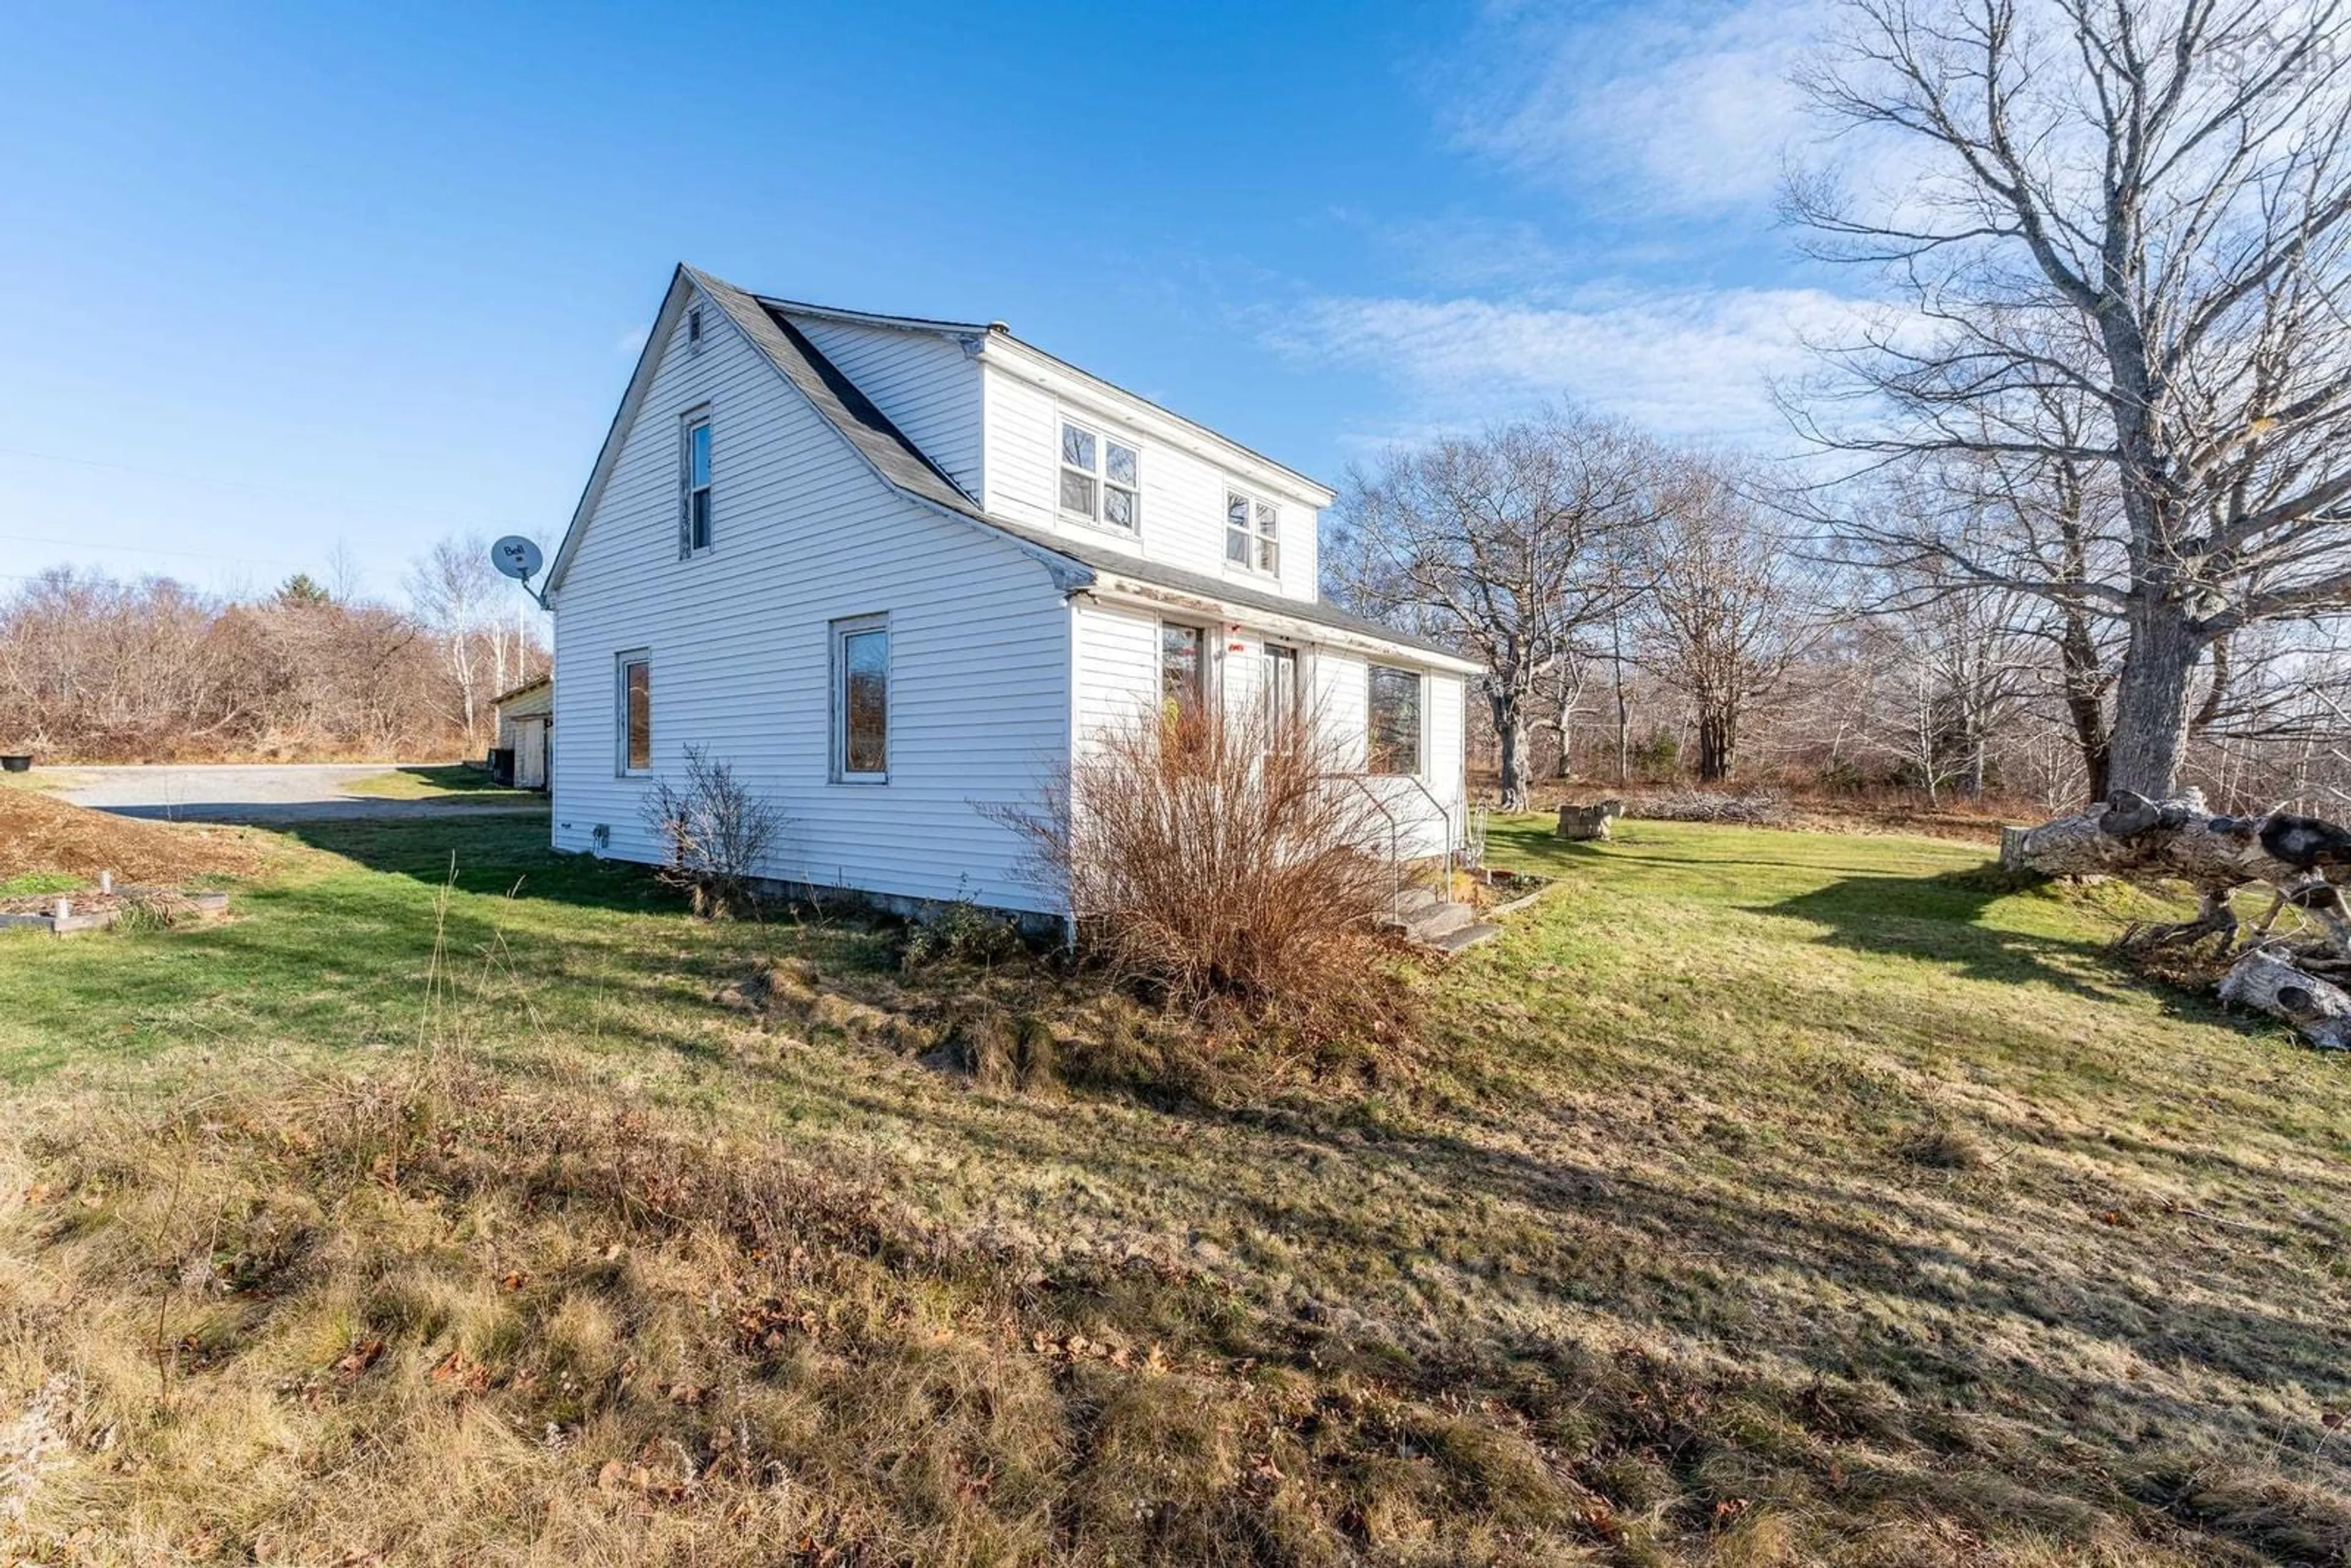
[904, 465]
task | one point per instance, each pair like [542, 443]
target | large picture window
[861, 700]
[1102, 478]
[693, 477]
[635, 703]
[1394, 720]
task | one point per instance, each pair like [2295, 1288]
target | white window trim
[839, 631]
[1420, 726]
[1225, 530]
[1099, 474]
[620, 663]
[694, 419]
[695, 332]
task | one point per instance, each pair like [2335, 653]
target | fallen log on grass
[2264, 980]
[2302, 861]
[2300, 858]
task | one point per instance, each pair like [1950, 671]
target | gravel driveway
[258, 794]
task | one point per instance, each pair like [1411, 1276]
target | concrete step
[1413, 899]
[1433, 920]
[1464, 936]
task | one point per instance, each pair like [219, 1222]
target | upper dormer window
[1101, 478]
[694, 480]
[1252, 532]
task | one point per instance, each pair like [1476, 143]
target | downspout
[1069, 758]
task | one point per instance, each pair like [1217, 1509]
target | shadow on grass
[1940, 919]
[500, 855]
[455, 777]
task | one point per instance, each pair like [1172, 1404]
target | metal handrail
[1396, 834]
[1443, 816]
[1396, 841]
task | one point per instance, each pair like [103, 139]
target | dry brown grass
[437, 1314]
[1040, 1025]
[1760, 1197]
[40, 833]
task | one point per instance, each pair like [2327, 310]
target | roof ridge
[875, 317]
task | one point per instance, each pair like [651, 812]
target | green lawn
[459, 782]
[1756, 1198]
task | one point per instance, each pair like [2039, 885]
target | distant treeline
[93, 669]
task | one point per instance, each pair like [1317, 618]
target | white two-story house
[895, 570]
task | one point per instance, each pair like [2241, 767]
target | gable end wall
[739, 638]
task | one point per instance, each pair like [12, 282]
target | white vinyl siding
[1118, 666]
[980, 699]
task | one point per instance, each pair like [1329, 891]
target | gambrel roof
[1076, 563]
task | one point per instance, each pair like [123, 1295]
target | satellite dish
[518, 558]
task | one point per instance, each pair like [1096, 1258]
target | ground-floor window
[1395, 709]
[1181, 675]
[1280, 690]
[861, 700]
[636, 712]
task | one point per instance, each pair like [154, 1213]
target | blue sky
[276, 278]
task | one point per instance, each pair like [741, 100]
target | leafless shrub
[1218, 856]
[717, 831]
[1756, 808]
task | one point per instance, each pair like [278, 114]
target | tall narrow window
[693, 523]
[1280, 692]
[1252, 533]
[1395, 721]
[1101, 479]
[1180, 683]
[636, 715]
[693, 329]
[861, 700]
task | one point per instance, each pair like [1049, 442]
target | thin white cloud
[1681, 109]
[1693, 365]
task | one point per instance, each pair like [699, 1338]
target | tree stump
[1585, 822]
[2012, 849]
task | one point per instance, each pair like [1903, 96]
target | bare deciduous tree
[1505, 543]
[96, 670]
[1726, 610]
[2140, 208]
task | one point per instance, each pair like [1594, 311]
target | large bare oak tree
[1511, 542]
[2136, 209]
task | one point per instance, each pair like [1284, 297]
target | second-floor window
[1252, 533]
[694, 476]
[1101, 479]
